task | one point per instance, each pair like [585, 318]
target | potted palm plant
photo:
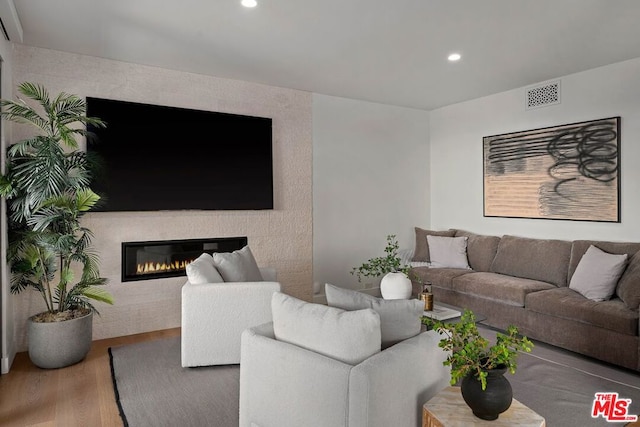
[395, 283]
[46, 185]
[478, 366]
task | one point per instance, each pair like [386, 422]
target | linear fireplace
[169, 258]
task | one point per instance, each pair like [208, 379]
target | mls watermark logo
[612, 408]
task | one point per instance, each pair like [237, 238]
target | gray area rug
[154, 390]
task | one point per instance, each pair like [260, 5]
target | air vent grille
[543, 95]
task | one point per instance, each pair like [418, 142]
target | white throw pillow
[237, 266]
[597, 274]
[448, 252]
[348, 336]
[201, 270]
[399, 318]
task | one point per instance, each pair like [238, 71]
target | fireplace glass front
[169, 258]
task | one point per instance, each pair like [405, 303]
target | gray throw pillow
[348, 336]
[237, 266]
[448, 252]
[399, 318]
[597, 274]
[201, 270]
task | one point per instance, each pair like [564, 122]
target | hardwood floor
[79, 395]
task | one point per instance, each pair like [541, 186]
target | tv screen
[152, 157]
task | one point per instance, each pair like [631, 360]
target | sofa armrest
[214, 316]
[283, 385]
[391, 387]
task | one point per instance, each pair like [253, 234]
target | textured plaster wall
[281, 238]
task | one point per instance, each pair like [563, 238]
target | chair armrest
[390, 387]
[288, 386]
[214, 316]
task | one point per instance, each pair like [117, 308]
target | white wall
[8, 344]
[281, 238]
[370, 179]
[456, 134]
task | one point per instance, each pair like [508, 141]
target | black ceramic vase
[487, 404]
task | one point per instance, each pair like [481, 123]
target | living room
[347, 171]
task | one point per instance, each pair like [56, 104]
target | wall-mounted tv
[152, 157]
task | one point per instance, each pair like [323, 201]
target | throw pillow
[237, 266]
[421, 252]
[348, 336]
[201, 270]
[448, 252]
[597, 274]
[399, 318]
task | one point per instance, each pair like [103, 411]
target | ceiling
[387, 51]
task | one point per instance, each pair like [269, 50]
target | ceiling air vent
[543, 95]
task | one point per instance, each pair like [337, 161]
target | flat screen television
[152, 157]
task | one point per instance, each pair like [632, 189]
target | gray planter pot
[60, 344]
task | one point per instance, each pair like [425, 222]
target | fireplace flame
[158, 267]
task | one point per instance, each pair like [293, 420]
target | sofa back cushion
[347, 336]
[628, 289]
[481, 250]
[421, 253]
[399, 318]
[538, 259]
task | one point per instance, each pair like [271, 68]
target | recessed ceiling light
[249, 3]
[454, 57]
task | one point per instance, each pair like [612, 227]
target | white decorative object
[395, 286]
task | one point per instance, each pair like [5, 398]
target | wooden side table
[448, 409]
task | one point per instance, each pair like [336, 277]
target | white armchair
[215, 314]
[283, 385]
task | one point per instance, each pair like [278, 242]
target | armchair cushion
[399, 318]
[237, 266]
[201, 270]
[347, 336]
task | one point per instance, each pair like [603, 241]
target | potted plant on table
[46, 185]
[395, 283]
[479, 367]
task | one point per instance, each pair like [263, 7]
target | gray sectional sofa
[525, 282]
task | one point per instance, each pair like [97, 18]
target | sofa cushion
[348, 336]
[498, 287]
[481, 250]
[448, 252]
[237, 266]
[201, 270]
[421, 252]
[536, 259]
[438, 277]
[598, 273]
[628, 289]
[569, 304]
[399, 318]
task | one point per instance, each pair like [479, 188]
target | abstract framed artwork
[569, 172]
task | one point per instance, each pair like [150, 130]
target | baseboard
[5, 364]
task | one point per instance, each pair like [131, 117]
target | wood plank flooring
[80, 395]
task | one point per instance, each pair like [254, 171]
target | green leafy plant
[470, 352]
[46, 185]
[378, 266]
